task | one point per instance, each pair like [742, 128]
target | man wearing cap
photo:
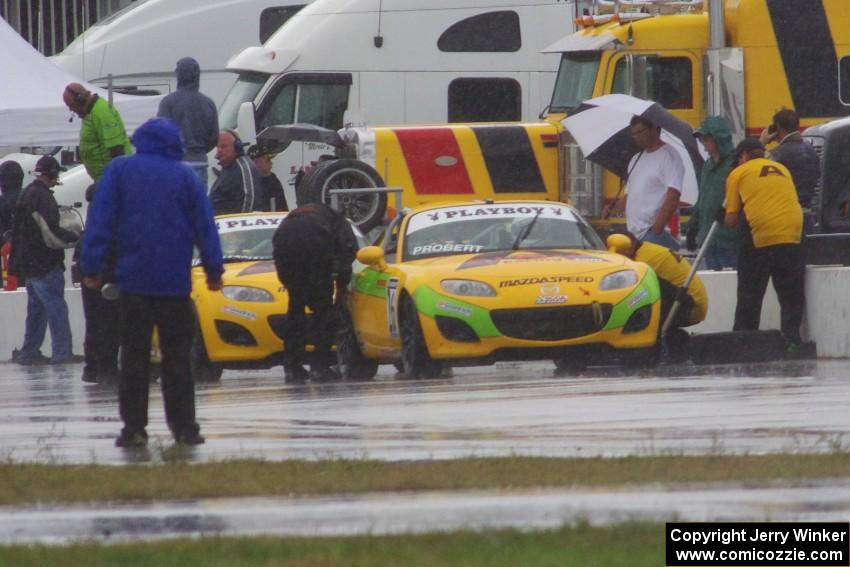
[102, 138]
[722, 251]
[195, 114]
[763, 192]
[36, 257]
[102, 134]
[274, 198]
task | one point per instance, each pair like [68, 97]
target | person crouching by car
[672, 271]
[153, 211]
[314, 247]
[38, 256]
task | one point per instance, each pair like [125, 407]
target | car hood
[260, 273]
[525, 263]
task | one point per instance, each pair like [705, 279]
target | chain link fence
[50, 25]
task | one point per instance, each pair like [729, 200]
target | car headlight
[468, 287]
[244, 293]
[618, 280]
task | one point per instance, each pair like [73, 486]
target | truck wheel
[353, 366]
[365, 210]
[415, 359]
[203, 370]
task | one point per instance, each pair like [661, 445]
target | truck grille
[551, 323]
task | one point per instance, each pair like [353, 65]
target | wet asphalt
[50, 416]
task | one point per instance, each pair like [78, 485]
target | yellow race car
[242, 325]
[471, 284]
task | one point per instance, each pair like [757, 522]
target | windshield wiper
[240, 258]
[525, 231]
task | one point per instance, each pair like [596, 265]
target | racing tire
[415, 359]
[202, 368]
[365, 210]
[353, 366]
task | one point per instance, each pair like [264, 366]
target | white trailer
[140, 44]
[343, 62]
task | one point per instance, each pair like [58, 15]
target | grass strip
[625, 545]
[39, 483]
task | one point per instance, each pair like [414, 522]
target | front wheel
[202, 368]
[415, 359]
[353, 366]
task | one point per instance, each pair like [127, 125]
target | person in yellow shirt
[672, 271]
[760, 194]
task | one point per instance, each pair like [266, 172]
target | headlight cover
[468, 287]
[618, 280]
[245, 293]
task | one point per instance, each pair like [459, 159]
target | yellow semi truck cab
[761, 56]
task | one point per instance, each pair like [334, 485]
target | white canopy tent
[31, 109]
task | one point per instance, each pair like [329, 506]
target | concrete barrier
[826, 320]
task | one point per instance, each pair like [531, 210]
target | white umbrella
[600, 126]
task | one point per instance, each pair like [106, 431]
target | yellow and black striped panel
[498, 161]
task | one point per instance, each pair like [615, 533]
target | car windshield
[249, 237]
[575, 80]
[245, 89]
[497, 227]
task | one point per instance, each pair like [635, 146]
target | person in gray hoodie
[194, 113]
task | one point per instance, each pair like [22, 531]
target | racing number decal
[392, 302]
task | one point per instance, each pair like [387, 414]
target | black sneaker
[36, 359]
[131, 440]
[190, 439]
[89, 375]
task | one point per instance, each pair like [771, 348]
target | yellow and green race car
[471, 284]
[242, 325]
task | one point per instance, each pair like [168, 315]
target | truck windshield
[576, 77]
[245, 89]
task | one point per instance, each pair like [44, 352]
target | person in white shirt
[654, 185]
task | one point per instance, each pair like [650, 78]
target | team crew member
[654, 185]
[102, 133]
[102, 138]
[239, 187]
[42, 266]
[194, 113]
[672, 271]
[763, 190]
[722, 251]
[154, 211]
[314, 247]
[274, 198]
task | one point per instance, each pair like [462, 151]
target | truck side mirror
[245, 123]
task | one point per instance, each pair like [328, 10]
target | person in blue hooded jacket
[153, 210]
[722, 251]
[195, 114]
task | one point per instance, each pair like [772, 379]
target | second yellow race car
[242, 325]
[478, 283]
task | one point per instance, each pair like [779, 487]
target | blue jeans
[46, 306]
[664, 239]
[717, 258]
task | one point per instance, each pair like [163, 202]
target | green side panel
[431, 303]
[368, 284]
[646, 293]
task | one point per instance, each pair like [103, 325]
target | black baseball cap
[748, 145]
[49, 166]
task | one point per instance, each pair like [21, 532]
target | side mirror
[619, 244]
[372, 256]
[245, 123]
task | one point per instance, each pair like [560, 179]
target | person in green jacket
[722, 252]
